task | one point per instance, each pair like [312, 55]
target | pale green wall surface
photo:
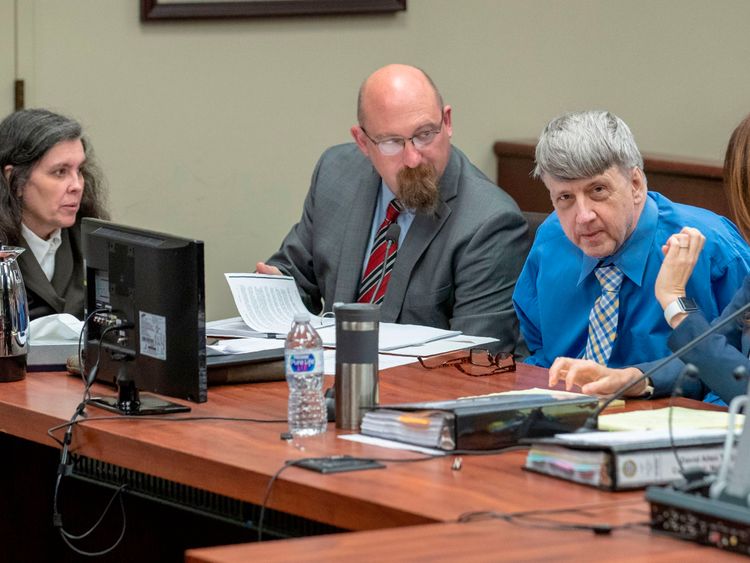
[211, 129]
[7, 56]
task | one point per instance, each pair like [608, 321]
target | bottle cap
[301, 317]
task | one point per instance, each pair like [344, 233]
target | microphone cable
[427, 456]
[541, 518]
[91, 377]
[691, 372]
[83, 337]
[65, 467]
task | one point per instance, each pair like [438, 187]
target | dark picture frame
[154, 10]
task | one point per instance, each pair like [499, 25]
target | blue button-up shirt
[557, 287]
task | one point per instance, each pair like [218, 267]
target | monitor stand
[130, 402]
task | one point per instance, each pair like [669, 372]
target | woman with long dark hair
[48, 183]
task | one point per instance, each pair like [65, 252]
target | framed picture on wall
[159, 10]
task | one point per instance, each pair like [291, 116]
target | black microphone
[591, 421]
[391, 236]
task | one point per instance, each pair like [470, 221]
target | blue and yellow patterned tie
[603, 317]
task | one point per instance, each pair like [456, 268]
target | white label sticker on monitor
[153, 335]
[101, 286]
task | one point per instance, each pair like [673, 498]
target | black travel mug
[356, 362]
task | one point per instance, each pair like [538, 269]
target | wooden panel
[493, 541]
[692, 181]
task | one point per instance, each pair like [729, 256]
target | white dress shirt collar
[43, 250]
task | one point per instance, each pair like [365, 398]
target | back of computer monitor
[145, 292]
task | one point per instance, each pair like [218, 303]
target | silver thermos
[356, 362]
[14, 317]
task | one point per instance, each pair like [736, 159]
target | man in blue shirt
[605, 219]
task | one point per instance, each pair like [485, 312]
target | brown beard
[418, 188]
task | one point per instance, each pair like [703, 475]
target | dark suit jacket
[718, 355]
[456, 269]
[65, 293]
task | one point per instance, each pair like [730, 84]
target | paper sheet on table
[443, 345]
[384, 361]
[390, 444]
[637, 436]
[392, 336]
[269, 303]
[549, 392]
[244, 345]
[658, 419]
[235, 327]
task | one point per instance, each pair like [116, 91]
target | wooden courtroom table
[236, 459]
[476, 542]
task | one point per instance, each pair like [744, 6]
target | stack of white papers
[392, 336]
[244, 346]
[385, 361]
[443, 346]
[268, 304]
[235, 327]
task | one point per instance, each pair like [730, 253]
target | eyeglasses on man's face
[476, 362]
[392, 146]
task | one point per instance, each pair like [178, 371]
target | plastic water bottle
[303, 354]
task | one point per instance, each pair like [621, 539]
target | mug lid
[357, 312]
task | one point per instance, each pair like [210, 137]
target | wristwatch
[679, 305]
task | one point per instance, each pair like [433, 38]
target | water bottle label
[305, 362]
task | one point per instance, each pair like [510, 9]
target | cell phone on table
[338, 464]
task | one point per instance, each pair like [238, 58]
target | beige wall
[211, 129]
[7, 56]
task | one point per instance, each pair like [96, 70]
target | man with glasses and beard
[403, 219]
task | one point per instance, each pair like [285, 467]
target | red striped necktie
[375, 271]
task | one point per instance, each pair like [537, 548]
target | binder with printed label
[626, 460]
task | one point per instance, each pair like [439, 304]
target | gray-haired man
[585, 298]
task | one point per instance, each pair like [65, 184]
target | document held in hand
[268, 304]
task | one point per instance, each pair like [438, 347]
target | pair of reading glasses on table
[475, 362]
